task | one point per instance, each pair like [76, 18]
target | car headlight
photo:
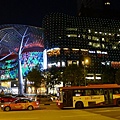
[2, 105]
[51, 98]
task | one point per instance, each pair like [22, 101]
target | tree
[117, 76]
[73, 74]
[108, 75]
[35, 76]
[52, 77]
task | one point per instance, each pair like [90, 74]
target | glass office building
[69, 39]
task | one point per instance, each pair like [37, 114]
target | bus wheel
[79, 105]
[118, 103]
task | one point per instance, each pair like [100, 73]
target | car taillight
[37, 103]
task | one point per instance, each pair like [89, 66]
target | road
[112, 112]
[52, 112]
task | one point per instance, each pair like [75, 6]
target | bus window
[98, 91]
[101, 92]
[79, 92]
[116, 91]
[88, 92]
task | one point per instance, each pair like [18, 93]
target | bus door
[108, 94]
[67, 98]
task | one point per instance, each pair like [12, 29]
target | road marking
[101, 109]
[26, 118]
[106, 110]
[20, 119]
[80, 115]
[13, 112]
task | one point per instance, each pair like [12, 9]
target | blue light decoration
[9, 69]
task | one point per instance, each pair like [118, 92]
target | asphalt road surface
[52, 112]
[112, 112]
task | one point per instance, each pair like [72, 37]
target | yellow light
[87, 60]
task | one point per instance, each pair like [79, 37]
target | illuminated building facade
[21, 49]
[68, 39]
[29, 60]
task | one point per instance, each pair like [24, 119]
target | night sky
[31, 12]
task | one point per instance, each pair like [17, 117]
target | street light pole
[87, 61]
[84, 75]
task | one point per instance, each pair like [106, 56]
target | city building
[98, 8]
[62, 40]
[70, 39]
[21, 49]
[14, 66]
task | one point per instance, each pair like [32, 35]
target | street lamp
[86, 62]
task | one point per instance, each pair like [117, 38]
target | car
[21, 104]
[54, 97]
[20, 96]
[44, 98]
[7, 98]
[31, 96]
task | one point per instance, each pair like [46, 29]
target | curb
[48, 104]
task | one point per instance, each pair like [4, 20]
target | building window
[89, 37]
[107, 3]
[96, 45]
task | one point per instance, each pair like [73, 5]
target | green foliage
[94, 82]
[53, 76]
[108, 75]
[35, 77]
[118, 76]
[73, 74]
